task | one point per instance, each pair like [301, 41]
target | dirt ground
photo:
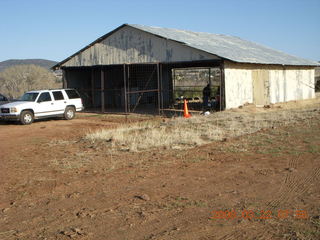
[55, 185]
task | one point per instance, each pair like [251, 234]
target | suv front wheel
[26, 117]
[69, 113]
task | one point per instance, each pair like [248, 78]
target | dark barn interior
[141, 88]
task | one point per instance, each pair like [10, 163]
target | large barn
[137, 67]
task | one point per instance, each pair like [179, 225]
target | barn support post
[102, 91]
[173, 84]
[64, 79]
[222, 88]
[158, 90]
[125, 88]
[161, 89]
[92, 88]
[128, 88]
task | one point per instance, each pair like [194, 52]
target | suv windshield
[30, 97]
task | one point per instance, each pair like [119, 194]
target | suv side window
[44, 97]
[72, 94]
[58, 95]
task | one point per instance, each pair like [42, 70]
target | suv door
[44, 105]
[59, 102]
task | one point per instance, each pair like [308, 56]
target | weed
[179, 133]
[314, 149]
[183, 202]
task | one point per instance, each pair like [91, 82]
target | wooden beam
[158, 90]
[64, 79]
[222, 88]
[92, 88]
[102, 91]
[125, 88]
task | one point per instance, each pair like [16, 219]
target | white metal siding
[238, 86]
[291, 84]
[285, 83]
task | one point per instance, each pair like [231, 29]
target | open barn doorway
[201, 86]
[154, 88]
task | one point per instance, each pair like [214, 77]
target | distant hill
[40, 62]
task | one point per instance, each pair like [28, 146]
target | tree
[16, 80]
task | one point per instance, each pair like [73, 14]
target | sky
[55, 29]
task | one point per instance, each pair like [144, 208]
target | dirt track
[53, 185]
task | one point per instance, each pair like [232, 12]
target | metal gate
[142, 88]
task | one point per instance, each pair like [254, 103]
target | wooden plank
[125, 88]
[158, 79]
[222, 93]
[102, 91]
[92, 88]
[64, 79]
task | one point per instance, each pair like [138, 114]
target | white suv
[43, 104]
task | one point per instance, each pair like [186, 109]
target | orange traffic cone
[186, 113]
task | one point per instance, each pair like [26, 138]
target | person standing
[206, 95]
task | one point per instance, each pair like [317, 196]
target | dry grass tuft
[198, 130]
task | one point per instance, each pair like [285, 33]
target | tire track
[287, 183]
[295, 188]
[264, 234]
[294, 185]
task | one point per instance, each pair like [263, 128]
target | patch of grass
[314, 148]
[307, 141]
[95, 115]
[294, 152]
[316, 223]
[179, 133]
[195, 159]
[183, 202]
[36, 140]
[73, 162]
[237, 148]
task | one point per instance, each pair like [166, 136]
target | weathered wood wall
[129, 45]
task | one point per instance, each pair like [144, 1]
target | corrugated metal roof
[228, 47]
